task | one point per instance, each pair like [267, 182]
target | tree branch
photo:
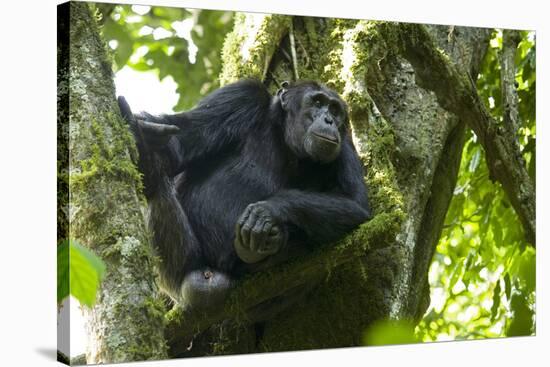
[510, 41]
[456, 91]
[293, 51]
[277, 281]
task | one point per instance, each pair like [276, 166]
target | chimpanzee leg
[183, 273]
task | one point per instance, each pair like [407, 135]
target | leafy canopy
[482, 276]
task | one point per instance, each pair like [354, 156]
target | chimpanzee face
[315, 121]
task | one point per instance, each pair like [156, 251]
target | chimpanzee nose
[328, 120]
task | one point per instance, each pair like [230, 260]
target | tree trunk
[104, 207]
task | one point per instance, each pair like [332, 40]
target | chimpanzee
[245, 180]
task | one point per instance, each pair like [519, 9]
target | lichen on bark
[126, 324]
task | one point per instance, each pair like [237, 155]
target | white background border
[28, 182]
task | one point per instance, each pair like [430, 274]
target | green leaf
[497, 232]
[62, 271]
[86, 272]
[114, 31]
[496, 301]
[522, 321]
[387, 332]
[527, 269]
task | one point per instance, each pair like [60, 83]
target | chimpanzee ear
[281, 94]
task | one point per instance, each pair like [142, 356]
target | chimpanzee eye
[317, 103]
[334, 109]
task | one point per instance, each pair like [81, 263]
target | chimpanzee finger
[244, 219]
[257, 235]
[238, 226]
[272, 244]
[274, 231]
[238, 237]
[246, 213]
[247, 228]
[152, 128]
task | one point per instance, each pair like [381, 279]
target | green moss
[311, 32]
[108, 158]
[174, 316]
[247, 58]
[154, 308]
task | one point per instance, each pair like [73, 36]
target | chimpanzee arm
[263, 228]
[325, 217]
[221, 121]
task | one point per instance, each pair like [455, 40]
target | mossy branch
[264, 286]
[456, 91]
[248, 50]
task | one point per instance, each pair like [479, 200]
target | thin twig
[305, 53]
[293, 52]
[275, 79]
[266, 66]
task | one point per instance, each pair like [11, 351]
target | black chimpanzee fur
[245, 180]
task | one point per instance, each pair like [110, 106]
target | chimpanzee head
[315, 120]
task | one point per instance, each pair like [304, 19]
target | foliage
[483, 274]
[79, 273]
[386, 332]
[182, 43]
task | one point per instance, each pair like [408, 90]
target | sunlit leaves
[483, 273]
[182, 43]
[496, 301]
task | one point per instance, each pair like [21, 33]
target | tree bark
[104, 206]
[510, 99]
[456, 92]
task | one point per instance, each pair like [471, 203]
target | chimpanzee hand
[151, 138]
[152, 134]
[257, 233]
[156, 135]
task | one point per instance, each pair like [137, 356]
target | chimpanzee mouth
[330, 139]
